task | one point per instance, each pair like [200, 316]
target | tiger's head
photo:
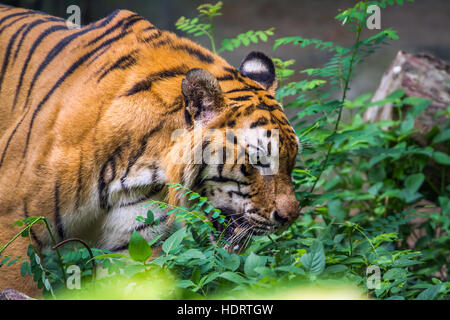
[239, 149]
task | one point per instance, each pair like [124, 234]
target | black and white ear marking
[203, 97]
[259, 67]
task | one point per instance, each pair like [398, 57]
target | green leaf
[445, 205]
[173, 242]
[336, 210]
[109, 256]
[266, 272]
[193, 254]
[232, 262]
[407, 125]
[193, 196]
[5, 259]
[419, 105]
[253, 261]
[414, 181]
[395, 298]
[314, 261]
[233, 277]
[24, 269]
[130, 270]
[395, 274]
[185, 284]
[442, 136]
[441, 158]
[208, 278]
[336, 268]
[150, 217]
[430, 293]
[47, 285]
[138, 248]
[291, 269]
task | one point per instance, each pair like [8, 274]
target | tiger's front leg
[122, 221]
[126, 201]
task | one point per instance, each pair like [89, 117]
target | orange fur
[81, 106]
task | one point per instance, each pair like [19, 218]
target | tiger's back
[87, 116]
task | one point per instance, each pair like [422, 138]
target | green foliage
[193, 26]
[246, 39]
[202, 25]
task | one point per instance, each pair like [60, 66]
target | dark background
[423, 26]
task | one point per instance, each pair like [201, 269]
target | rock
[11, 294]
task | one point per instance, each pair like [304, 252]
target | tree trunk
[420, 75]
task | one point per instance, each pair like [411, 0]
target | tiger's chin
[237, 230]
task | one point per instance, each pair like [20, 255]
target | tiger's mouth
[237, 229]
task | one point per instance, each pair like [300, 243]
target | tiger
[86, 133]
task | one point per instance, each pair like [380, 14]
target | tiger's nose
[279, 218]
[286, 211]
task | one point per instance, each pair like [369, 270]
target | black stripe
[240, 194]
[177, 105]
[2, 20]
[102, 183]
[225, 78]
[153, 36]
[10, 138]
[266, 107]
[155, 189]
[122, 63]
[202, 56]
[70, 71]
[238, 89]
[246, 88]
[58, 220]
[33, 234]
[13, 22]
[149, 28]
[36, 43]
[233, 71]
[120, 248]
[225, 180]
[56, 50]
[244, 171]
[7, 54]
[231, 123]
[146, 84]
[97, 55]
[161, 43]
[187, 117]
[249, 110]
[143, 146]
[262, 121]
[241, 98]
[132, 20]
[199, 177]
[26, 32]
[231, 137]
[119, 24]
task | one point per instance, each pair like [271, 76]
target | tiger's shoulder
[102, 53]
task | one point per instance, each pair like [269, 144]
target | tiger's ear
[203, 97]
[259, 67]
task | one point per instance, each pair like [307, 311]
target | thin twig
[94, 267]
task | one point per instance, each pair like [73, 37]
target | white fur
[254, 66]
